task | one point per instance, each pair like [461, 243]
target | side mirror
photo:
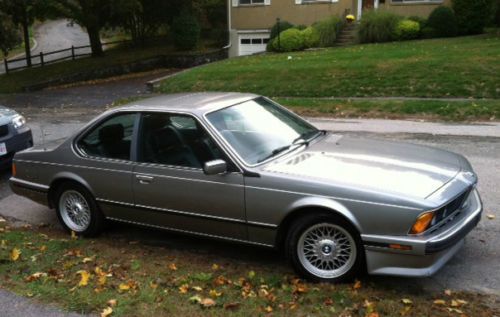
[215, 167]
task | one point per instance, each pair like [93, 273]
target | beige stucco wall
[410, 9]
[264, 17]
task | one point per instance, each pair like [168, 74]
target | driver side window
[176, 140]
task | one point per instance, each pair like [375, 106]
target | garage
[252, 43]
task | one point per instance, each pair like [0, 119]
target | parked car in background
[15, 135]
[242, 168]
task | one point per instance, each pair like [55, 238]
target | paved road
[53, 36]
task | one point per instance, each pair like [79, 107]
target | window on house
[251, 1]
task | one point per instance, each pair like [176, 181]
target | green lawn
[478, 110]
[457, 67]
[130, 279]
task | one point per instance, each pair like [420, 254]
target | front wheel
[325, 248]
[77, 210]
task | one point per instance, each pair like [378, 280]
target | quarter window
[111, 139]
[176, 140]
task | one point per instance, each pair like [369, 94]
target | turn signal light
[422, 223]
[14, 170]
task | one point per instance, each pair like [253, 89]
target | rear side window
[110, 139]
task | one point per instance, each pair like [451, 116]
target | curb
[153, 84]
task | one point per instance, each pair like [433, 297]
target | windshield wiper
[275, 152]
[304, 139]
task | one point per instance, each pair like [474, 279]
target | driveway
[53, 36]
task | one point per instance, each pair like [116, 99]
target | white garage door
[252, 43]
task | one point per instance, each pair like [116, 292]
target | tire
[334, 253]
[77, 210]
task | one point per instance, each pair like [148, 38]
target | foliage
[327, 30]
[186, 31]
[472, 15]
[421, 21]
[311, 37]
[378, 26]
[279, 27]
[289, 40]
[9, 35]
[443, 22]
[407, 30]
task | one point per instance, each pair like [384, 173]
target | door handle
[144, 179]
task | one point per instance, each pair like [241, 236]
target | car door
[170, 188]
[104, 162]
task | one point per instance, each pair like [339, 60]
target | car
[242, 168]
[15, 135]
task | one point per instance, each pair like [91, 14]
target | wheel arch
[61, 178]
[313, 205]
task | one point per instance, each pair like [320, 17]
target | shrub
[186, 31]
[311, 37]
[407, 30]
[378, 26]
[443, 21]
[327, 31]
[472, 15]
[422, 22]
[289, 40]
[278, 28]
[427, 32]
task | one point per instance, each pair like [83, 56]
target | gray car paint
[252, 204]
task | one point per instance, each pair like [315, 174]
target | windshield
[259, 129]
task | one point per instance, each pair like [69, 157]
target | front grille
[451, 207]
[4, 130]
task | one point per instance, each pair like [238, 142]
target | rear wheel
[324, 248]
[77, 210]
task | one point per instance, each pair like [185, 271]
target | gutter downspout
[229, 44]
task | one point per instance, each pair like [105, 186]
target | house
[250, 21]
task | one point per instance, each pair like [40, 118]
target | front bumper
[426, 254]
[15, 141]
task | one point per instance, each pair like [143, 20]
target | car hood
[6, 115]
[390, 167]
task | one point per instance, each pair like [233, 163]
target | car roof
[196, 103]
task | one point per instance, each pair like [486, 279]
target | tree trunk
[27, 46]
[95, 41]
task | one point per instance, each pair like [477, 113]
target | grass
[88, 276]
[456, 67]
[477, 110]
[15, 81]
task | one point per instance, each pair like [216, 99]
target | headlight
[18, 121]
[422, 223]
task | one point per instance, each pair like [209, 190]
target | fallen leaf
[372, 314]
[172, 267]
[462, 302]
[251, 274]
[195, 299]
[153, 285]
[207, 302]
[491, 216]
[86, 260]
[231, 306]
[15, 254]
[124, 287]
[43, 248]
[84, 277]
[197, 288]
[407, 301]
[214, 293]
[3, 244]
[455, 310]
[183, 289]
[35, 276]
[112, 302]
[268, 309]
[106, 312]
[328, 302]
[73, 235]
[439, 302]
[447, 292]
[215, 267]
[357, 285]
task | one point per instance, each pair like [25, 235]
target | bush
[327, 31]
[407, 30]
[278, 28]
[422, 22]
[378, 26]
[472, 15]
[427, 32]
[289, 40]
[186, 32]
[443, 22]
[311, 37]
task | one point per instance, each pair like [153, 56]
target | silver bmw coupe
[242, 168]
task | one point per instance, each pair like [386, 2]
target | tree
[472, 15]
[23, 13]
[9, 35]
[91, 14]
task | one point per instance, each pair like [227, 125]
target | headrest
[111, 133]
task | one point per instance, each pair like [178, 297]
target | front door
[368, 5]
[170, 188]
